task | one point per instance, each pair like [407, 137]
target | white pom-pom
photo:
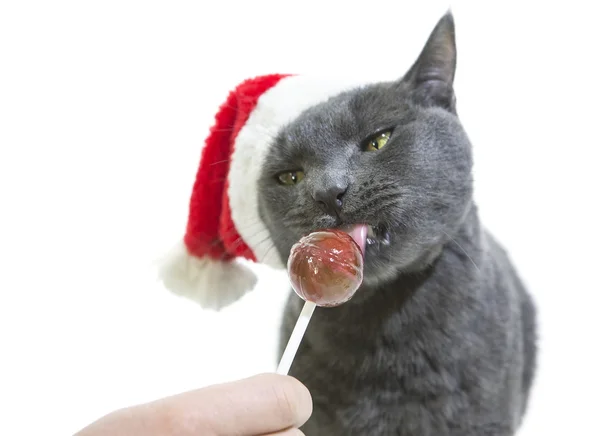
[211, 283]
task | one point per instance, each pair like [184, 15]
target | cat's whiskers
[247, 225]
[277, 236]
[236, 244]
[233, 231]
[463, 250]
[265, 130]
[239, 241]
[267, 253]
[220, 162]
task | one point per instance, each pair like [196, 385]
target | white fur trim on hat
[213, 284]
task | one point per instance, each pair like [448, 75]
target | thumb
[260, 404]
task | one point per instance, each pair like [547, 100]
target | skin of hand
[266, 404]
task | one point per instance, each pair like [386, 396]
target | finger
[257, 405]
[288, 432]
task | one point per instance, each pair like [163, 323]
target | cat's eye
[379, 141]
[290, 177]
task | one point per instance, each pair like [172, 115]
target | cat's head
[391, 155]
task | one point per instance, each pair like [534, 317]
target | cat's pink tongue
[358, 232]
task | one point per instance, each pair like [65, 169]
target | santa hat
[224, 224]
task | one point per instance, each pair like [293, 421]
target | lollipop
[325, 269]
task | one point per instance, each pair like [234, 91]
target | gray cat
[441, 337]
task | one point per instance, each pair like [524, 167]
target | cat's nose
[331, 198]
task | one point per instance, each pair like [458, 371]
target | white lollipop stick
[297, 334]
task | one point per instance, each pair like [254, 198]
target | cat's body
[446, 351]
[440, 339]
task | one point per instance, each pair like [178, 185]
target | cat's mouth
[368, 236]
[377, 235]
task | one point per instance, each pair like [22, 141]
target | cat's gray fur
[441, 338]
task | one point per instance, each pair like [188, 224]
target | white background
[104, 107]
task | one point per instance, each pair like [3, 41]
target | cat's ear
[431, 77]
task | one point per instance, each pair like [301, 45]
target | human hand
[266, 404]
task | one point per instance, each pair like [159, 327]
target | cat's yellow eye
[290, 177]
[379, 141]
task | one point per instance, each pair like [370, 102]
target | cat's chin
[383, 264]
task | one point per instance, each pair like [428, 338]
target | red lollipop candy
[326, 267]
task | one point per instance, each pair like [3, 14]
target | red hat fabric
[210, 230]
[224, 224]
